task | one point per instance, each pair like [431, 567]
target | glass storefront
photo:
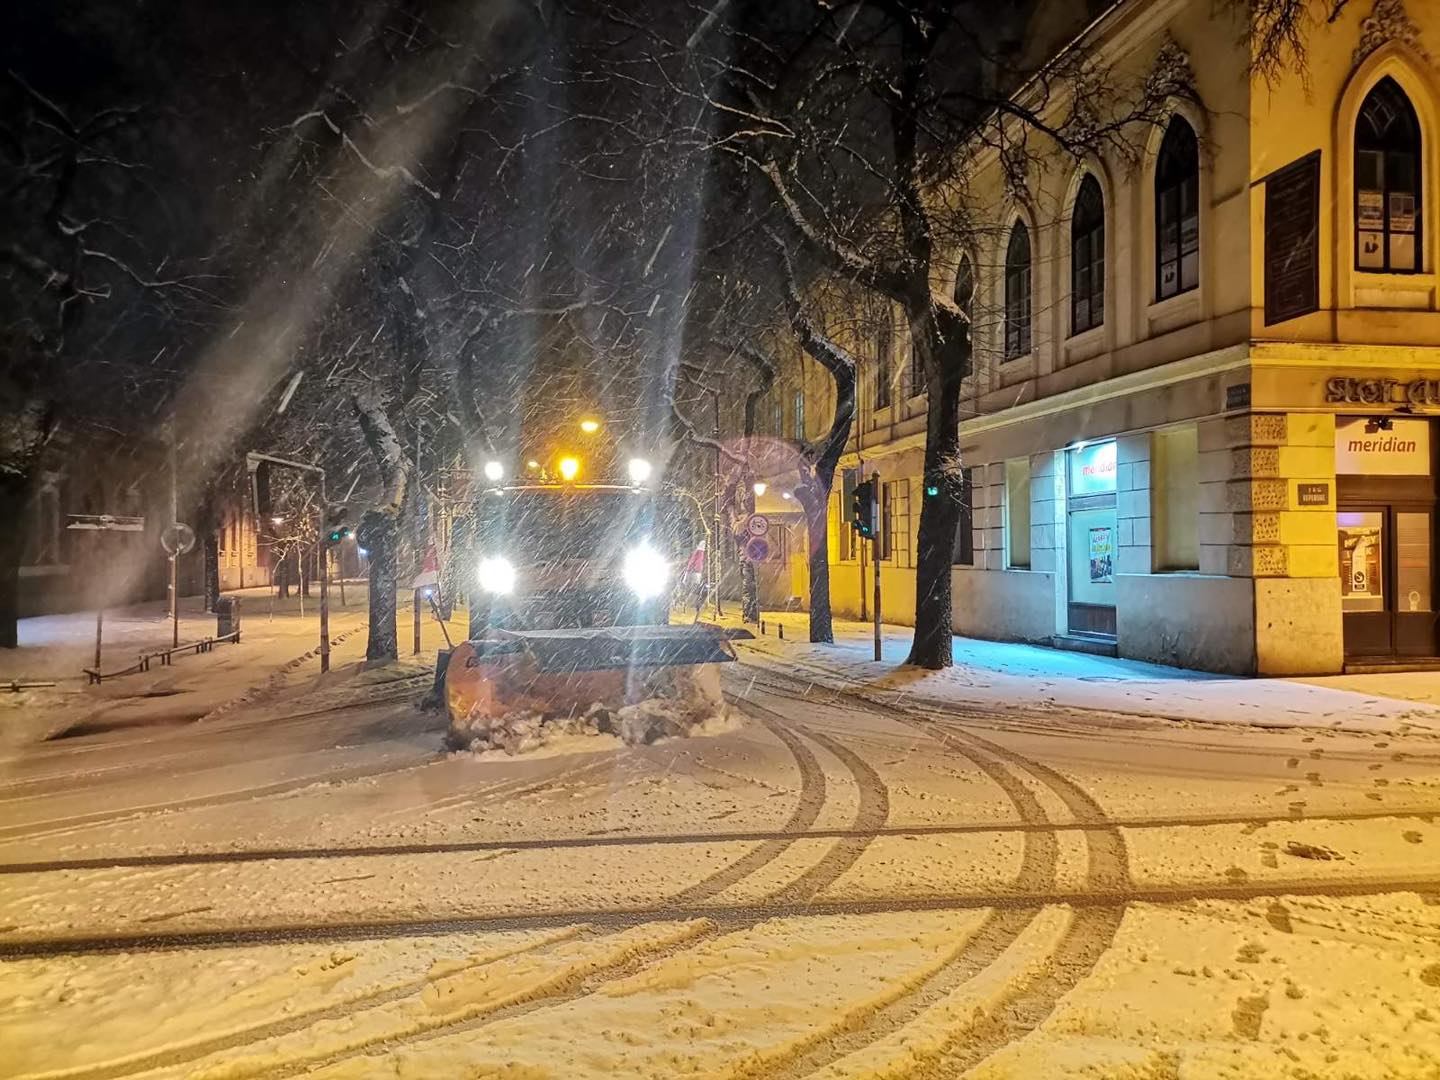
[1091, 539]
[1385, 528]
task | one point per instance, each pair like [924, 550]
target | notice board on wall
[1292, 240]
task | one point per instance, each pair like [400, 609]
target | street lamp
[569, 467]
[759, 487]
[589, 427]
[494, 471]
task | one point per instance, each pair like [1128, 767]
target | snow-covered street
[858, 878]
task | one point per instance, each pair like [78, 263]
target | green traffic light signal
[862, 509]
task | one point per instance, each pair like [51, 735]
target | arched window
[1087, 258]
[1177, 211]
[884, 360]
[1387, 181]
[965, 288]
[1017, 293]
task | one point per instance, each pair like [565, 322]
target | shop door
[1387, 580]
[1091, 540]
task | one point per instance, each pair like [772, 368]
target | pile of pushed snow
[637, 724]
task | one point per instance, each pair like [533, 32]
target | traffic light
[862, 509]
[335, 530]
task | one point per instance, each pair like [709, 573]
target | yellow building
[1168, 457]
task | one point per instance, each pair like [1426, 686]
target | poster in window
[1372, 249]
[1402, 212]
[1402, 251]
[1370, 210]
[1102, 554]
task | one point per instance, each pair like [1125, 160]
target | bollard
[762, 627]
[781, 627]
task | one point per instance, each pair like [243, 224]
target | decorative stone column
[1280, 496]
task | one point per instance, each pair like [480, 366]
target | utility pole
[175, 558]
[875, 554]
[715, 399]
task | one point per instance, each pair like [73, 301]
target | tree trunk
[939, 518]
[379, 536]
[815, 498]
[12, 540]
[210, 557]
[749, 580]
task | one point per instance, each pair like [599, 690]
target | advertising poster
[1370, 210]
[1102, 554]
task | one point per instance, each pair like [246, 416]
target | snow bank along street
[850, 880]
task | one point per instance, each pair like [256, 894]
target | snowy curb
[892, 696]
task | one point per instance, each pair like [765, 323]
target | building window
[1177, 211]
[798, 404]
[1017, 514]
[884, 360]
[1017, 293]
[964, 551]
[915, 373]
[848, 539]
[1387, 182]
[895, 522]
[1087, 258]
[1175, 499]
[777, 415]
[965, 288]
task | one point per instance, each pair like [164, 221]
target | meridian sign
[1363, 448]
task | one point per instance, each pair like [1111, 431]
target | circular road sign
[757, 525]
[757, 549]
[177, 538]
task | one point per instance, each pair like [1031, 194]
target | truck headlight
[497, 575]
[645, 571]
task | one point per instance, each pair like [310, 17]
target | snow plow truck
[570, 620]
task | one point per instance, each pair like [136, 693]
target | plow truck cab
[570, 621]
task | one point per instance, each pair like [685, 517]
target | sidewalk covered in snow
[999, 673]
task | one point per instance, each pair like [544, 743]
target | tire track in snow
[249, 1034]
[1039, 864]
[871, 813]
[805, 814]
[1089, 935]
[640, 840]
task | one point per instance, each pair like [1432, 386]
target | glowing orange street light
[589, 427]
[569, 467]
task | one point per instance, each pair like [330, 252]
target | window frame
[1177, 173]
[1416, 154]
[962, 553]
[1088, 231]
[1019, 286]
[885, 363]
[1011, 469]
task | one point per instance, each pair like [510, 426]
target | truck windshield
[566, 523]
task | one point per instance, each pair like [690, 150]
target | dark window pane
[1387, 181]
[1177, 211]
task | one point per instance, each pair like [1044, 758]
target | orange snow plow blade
[565, 672]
